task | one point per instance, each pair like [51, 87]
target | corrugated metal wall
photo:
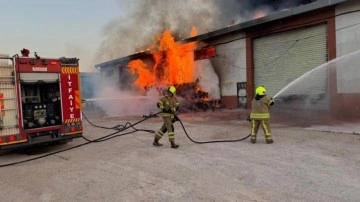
[281, 58]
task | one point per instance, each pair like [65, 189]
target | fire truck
[40, 100]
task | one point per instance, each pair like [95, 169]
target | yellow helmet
[260, 90]
[172, 89]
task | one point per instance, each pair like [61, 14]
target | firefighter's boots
[269, 141]
[174, 146]
[156, 142]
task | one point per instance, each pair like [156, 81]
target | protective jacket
[169, 105]
[260, 108]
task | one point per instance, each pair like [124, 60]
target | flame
[206, 99]
[145, 77]
[259, 14]
[173, 63]
[193, 32]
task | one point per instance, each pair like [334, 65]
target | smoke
[143, 20]
[208, 79]
[75, 50]
[250, 5]
[119, 103]
[236, 11]
[147, 18]
[329, 91]
[137, 28]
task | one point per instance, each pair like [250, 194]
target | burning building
[272, 50]
[172, 63]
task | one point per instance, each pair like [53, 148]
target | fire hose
[118, 128]
[207, 142]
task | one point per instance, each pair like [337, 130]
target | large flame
[173, 63]
[145, 77]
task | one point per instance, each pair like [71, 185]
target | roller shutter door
[283, 58]
[34, 77]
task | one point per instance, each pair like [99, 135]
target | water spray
[297, 80]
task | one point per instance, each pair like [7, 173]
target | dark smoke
[143, 20]
[235, 11]
[274, 4]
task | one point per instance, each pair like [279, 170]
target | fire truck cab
[40, 100]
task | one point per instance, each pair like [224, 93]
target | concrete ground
[306, 163]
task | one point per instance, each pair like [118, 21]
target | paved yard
[306, 163]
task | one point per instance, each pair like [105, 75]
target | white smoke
[208, 79]
[146, 19]
[143, 20]
[119, 103]
[76, 50]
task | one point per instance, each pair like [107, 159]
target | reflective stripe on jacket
[169, 105]
[260, 108]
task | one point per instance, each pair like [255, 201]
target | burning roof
[173, 63]
[107, 49]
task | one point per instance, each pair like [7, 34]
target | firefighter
[260, 114]
[168, 104]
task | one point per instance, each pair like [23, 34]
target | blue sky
[56, 28]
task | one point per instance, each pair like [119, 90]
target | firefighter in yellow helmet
[168, 104]
[260, 114]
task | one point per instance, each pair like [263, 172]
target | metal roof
[319, 4]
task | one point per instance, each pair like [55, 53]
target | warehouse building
[305, 57]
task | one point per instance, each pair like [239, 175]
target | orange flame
[173, 63]
[259, 14]
[145, 77]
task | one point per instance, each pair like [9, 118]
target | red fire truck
[40, 100]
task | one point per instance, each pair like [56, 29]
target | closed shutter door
[9, 112]
[34, 77]
[294, 56]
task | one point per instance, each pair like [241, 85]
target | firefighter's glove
[272, 102]
[166, 110]
[176, 118]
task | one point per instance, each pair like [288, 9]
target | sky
[54, 28]
[100, 30]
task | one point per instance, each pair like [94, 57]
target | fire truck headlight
[30, 124]
[41, 121]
